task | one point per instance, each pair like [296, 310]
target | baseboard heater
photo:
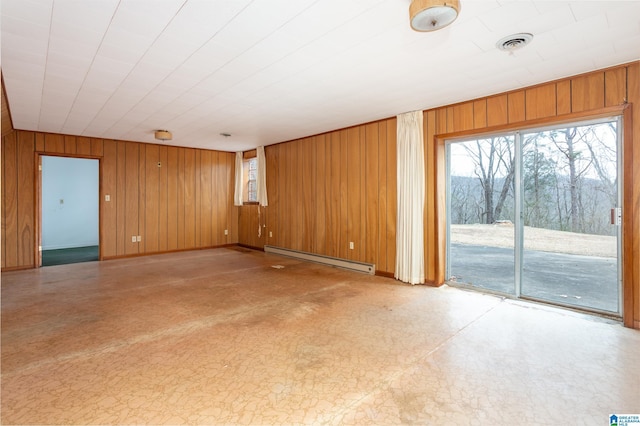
[367, 268]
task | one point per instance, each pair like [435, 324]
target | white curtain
[261, 179]
[237, 196]
[410, 226]
[261, 183]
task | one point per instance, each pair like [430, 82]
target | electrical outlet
[138, 238]
[270, 234]
[350, 245]
[107, 197]
[226, 232]
[133, 238]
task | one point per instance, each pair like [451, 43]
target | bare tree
[494, 167]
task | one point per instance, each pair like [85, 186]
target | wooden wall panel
[232, 211]
[198, 198]
[353, 193]
[320, 184]
[429, 120]
[97, 147]
[26, 194]
[145, 199]
[10, 200]
[615, 86]
[273, 192]
[370, 190]
[631, 277]
[108, 185]
[343, 242]
[563, 97]
[306, 159]
[142, 197]
[3, 197]
[151, 199]
[335, 197]
[479, 114]
[587, 92]
[5, 118]
[121, 200]
[83, 146]
[463, 116]
[392, 191]
[207, 215]
[172, 198]
[497, 114]
[163, 200]
[131, 191]
[70, 145]
[190, 198]
[54, 143]
[541, 101]
[516, 106]
[40, 142]
[383, 203]
[181, 199]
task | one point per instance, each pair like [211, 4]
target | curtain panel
[410, 226]
[237, 195]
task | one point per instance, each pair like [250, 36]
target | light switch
[107, 197]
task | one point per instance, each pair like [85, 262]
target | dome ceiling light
[431, 15]
[163, 135]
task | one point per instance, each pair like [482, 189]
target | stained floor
[221, 337]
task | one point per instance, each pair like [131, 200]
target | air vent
[514, 42]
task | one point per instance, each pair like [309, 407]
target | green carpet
[70, 255]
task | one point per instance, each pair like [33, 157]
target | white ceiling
[269, 71]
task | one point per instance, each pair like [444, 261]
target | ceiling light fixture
[431, 15]
[163, 135]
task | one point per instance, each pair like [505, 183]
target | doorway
[69, 206]
[535, 215]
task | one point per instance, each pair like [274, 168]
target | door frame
[38, 201]
[623, 295]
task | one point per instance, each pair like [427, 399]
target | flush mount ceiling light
[163, 135]
[431, 15]
[514, 42]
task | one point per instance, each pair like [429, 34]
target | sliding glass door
[535, 214]
[482, 215]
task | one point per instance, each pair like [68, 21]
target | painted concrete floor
[221, 337]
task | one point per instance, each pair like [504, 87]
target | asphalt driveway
[582, 281]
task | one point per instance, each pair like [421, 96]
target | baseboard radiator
[367, 268]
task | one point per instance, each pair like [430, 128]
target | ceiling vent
[514, 42]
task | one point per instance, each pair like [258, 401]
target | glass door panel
[481, 213]
[569, 186]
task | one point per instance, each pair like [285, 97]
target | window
[250, 168]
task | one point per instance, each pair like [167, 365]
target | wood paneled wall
[606, 92]
[174, 198]
[329, 190]
[7, 125]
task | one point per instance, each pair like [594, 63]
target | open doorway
[69, 203]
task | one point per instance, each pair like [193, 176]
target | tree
[539, 179]
[494, 167]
